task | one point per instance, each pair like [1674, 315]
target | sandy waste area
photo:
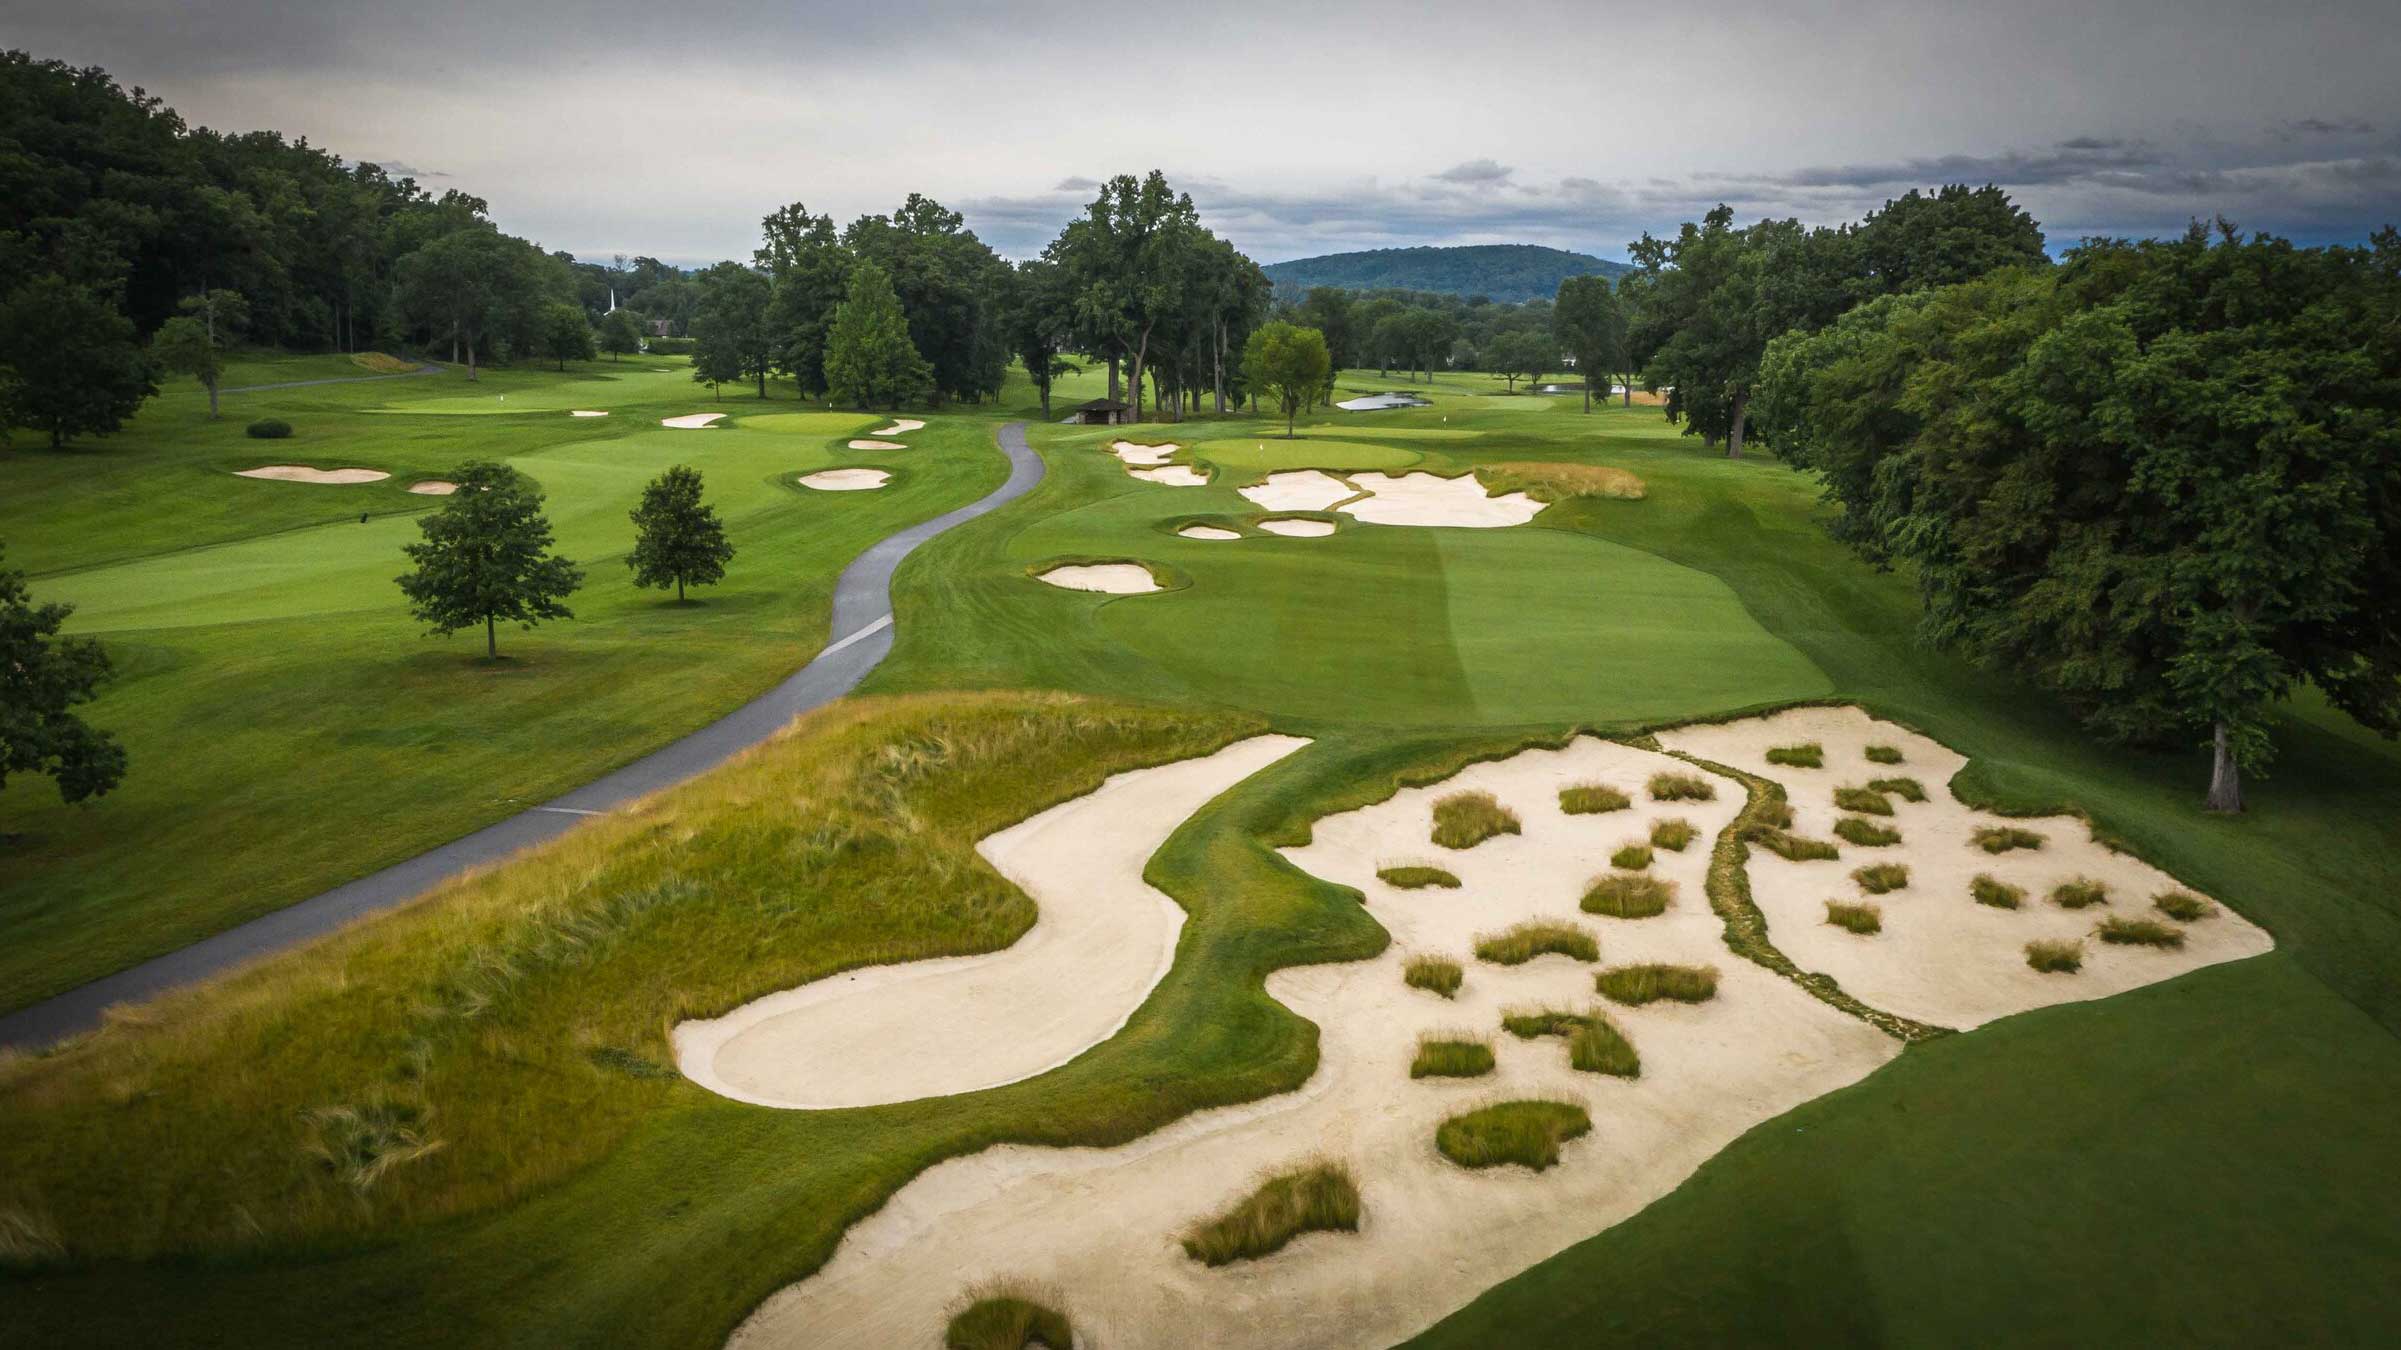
[301, 473]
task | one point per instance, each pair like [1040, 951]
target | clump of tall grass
[28, 1237]
[1536, 937]
[1785, 844]
[1529, 1023]
[2081, 893]
[1907, 789]
[1597, 1046]
[1628, 895]
[1652, 981]
[1631, 857]
[1466, 819]
[1775, 813]
[2055, 956]
[1005, 1317]
[1592, 799]
[1548, 481]
[1316, 1197]
[1865, 833]
[2003, 838]
[1865, 801]
[1808, 755]
[1881, 878]
[1526, 1133]
[1859, 918]
[1434, 974]
[1412, 876]
[359, 1144]
[1681, 787]
[1451, 1054]
[1884, 754]
[2125, 932]
[2182, 906]
[1672, 833]
[1991, 890]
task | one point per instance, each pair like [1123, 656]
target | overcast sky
[1299, 126]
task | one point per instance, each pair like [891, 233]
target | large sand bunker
[1106, 578]
[690, 421]
[1173, 475]
[1298, 527]
[1103, 941]
[301, 473]
[845, 480]
[1136, 454]
[1299, 490]
[1101, 1225]
[863, 444]
[1942, 956]
[1431, 499]
[900, 426]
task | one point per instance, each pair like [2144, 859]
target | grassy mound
[1672, 833]
[1865, 801]
[1785, 844]
[1550, 481]
[1631, 857]
[1537, 937]
[1907, 789]
[1416, 876]
[1881, 878]
[1434, 974]
[1862, 919]
[1008, 1320]
[2003, 838]
[1466, 819]
[1318, 1197]
[1991, 890]
[1884, 754]
[1865, 833]
[1526, 1133]
[1652, 981]
[2126, 932]
[1628, 895]
[2182, 906]
[1450, 1055]
[1592, 799]
[1597, 1046]
[2081, 893]
[1681, 787]
[1809, 755]
[2055, 956]
[1530, 1023]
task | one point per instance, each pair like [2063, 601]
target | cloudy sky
[1299, 128]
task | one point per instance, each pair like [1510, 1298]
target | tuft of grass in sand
[1631, 857]
[1466, 819]
[1991, 890]
[2055, 956]
[2003, 838]
[1597, 1046]
[1317, 1197]
[1434, 974]
[1681, 787]
[1862, 919]
[2125, 932]
[1785, 844]
[1416, 876]
[1628, 895]
[1808, 755]
[1672, 834]
[1592, 799]
[2081, 893]
[1652, 981]
[1865, 801]
[1884, 754]
[1865, 833]
[2182, 906]
[1907, 789]
[1881, 878]
[1526, 1133]
[1774, 813]
[1529, 1023]
[1537, 937]
[1451, 1054]
[1007, 1317]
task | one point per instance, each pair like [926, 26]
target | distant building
[662, 328]
[1100, 412]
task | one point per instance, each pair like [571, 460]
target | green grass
[1530, 1023]
[1519, 1133]
[1005, 1319]
[1865, 833]
[1631, 857]
[1416, 876]
[2003, 838]
[1652, 981]
[1881, 878]
[1672, 833]
[1591, 799]
[1810, 755]
[1865, 801]
[1465, 819]
[1884, 754]
[1785, 844]
[1907, 789]
[1597, 1046]
[1317, 1197]
[1536, 937]
[2125, 932]
[1628, 895]
[1859, 918]
[1449, 1055]
[1988, 889]
[1681, 787]
[2182, 906]
[1434, 974]
[2055, 956]
[2081, 893]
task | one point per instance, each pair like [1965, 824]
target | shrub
[1907, 789]
[1529, 1023]
[1448, 1055]
[2140, 933]
[1865, 833]
[1672, 834]
[1466, 819]
[1652, 981]
[1527, 1133]
[1592, 799]
[2003, 838]
[2080, 893]
[1435, 974]
[1318, 1197]
[1628, 895]
[268, 429]
[1862, 919]
[2182, 906]
[1991, 890]
[1597, 1046]
[1882, 878]
[670, 346]
[1865, 801]
[1810, 755]
[1884, 754]
[1539, 937]
[1798, 848]
[1681, 787]
[1416, 876]
[1631, 857]
[2054, 956]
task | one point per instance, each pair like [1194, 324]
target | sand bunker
[301, 473]
[1135, 454]
[1207, 532]
[900, 426]
[1103, 941]
[1299, 490]
[1298, 529]
[877, 445]
[434, 487]
[690, 421]
[1107, 578]
[1941, 956]
[845, 480]
[1382, 403]
[1173, 475]
[586, 412]
[1100, 1225]
[1430, 499]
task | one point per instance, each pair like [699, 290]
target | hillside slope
[1504, 272]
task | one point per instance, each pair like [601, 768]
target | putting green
[811, 423]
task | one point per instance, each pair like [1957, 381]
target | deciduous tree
[869, 360]
[69, 364]
[677, 538]
[1591, 328]
[1289, 364]
[42, 677]
[486, 557]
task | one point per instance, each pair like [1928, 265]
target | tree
[620, 333]
[677, 538]
[565, 335]
[1128, 261]
[1040, 320]
[1289, 364]
[808, 266]
[1525, 355]
[731, 340]
[464, 281]
[869, 359]
[42, 676]
[952, 290]
[1591, 328]
[69, 364]
[486, 557]
[193, 343]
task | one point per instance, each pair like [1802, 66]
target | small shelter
[1101, 412]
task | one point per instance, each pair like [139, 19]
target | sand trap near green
[1433, 500]
[1104, 578]
[1208, 532]
[1298, 528]
[301, 473]
[845, 480]
[1251, 457]
[691, 421]
[1299, 490]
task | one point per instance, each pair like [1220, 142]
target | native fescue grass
[1528, 1023]
[1434, 974]
[1413, 876]
[1451, 1054]
[1865, 801]
[1809, 755]
[1785, 844]
[1628, 895]
[1319, 1196]
[1631, 857]
[1881, 878]
[1865, 833]
[2182, 906]
[1672, 833]
[2125, 932]
[2003, 838]
[1466, 819]
[2055, 956]
[1524, 1133]
[1592, 799]
[1651, 981]
[1907, 789]
[1855, 917]
[1681, 787]
[1884, 754]
[1010, 1317]
[1548, 480]
[1596, 1045]
[1536, 937]
[1991, 890]
[2080, 893]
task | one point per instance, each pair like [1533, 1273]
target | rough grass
[1907, 789]
[2055, 956]
[2182, 906]
[1631, 857]
[1316, 1197]
[1851, 917]
[1434, 974]
[1592, 799]
[1010, 1318]
[2081, 893]
[1523, 1133]
[1884, 754]
[1550, 480]
[1536, 937]
[1466, 819]
[1597, 1046]
[1865, 801]
[1773, 813]
[1681, 787]
[1865, 833]
[1881, 878]
[1529, 1023]
[1809, 755]
[1652, 981]
[1416, 876]
[2126, 932]
[1991, 890]
[1628, 895]
[1672, 834]
[1449, 1054]
[1785, 844]
[2003, 838]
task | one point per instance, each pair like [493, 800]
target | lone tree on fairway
[1590, 327]
[677, 538]
[41, 676]
[193, 342]
[869, 359]
[486, 557]
[620, 333]
[69, 364]
[1287, 363]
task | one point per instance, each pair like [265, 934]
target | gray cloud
[1075, 185]
[1476, 171]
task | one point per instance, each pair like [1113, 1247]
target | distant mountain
[1506, 272]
